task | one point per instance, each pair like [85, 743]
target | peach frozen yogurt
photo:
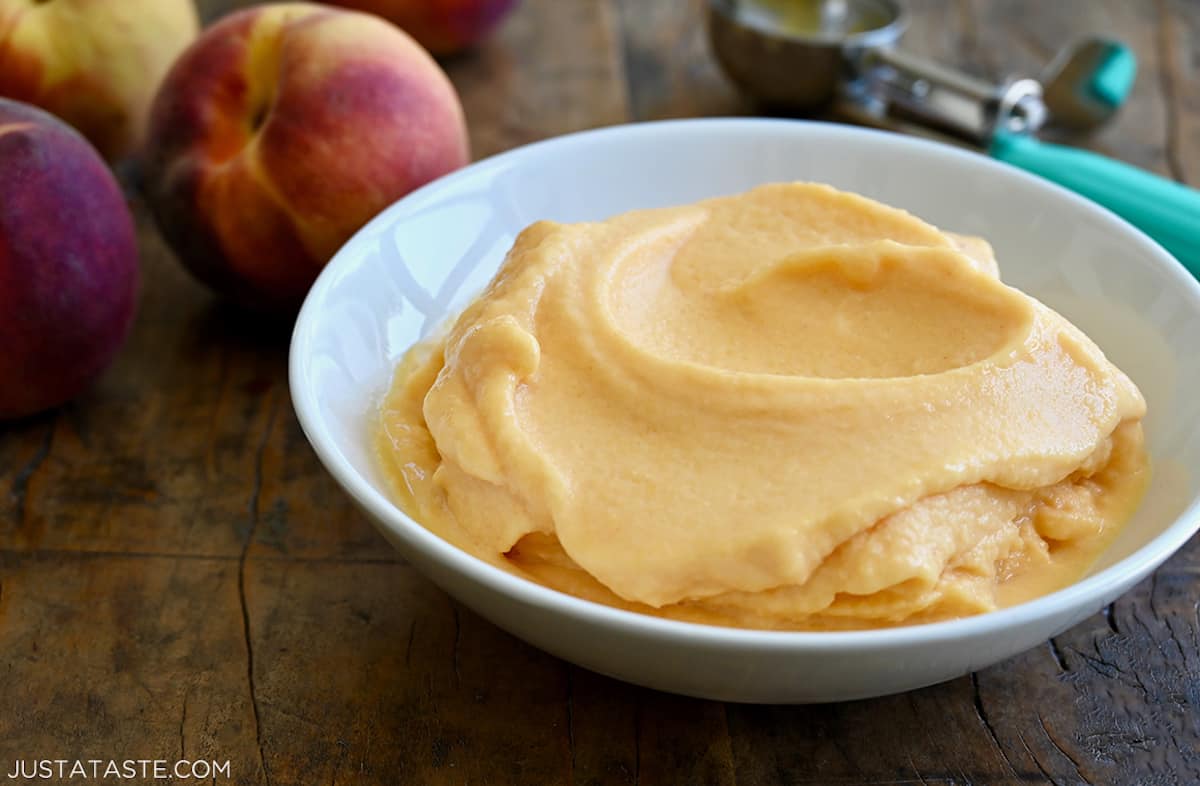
[794, 408]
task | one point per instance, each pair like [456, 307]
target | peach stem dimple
[258, 117]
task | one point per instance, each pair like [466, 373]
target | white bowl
[428, 254]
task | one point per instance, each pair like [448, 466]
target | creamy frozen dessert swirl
[793, 408]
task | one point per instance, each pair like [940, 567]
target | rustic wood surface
[179, 578]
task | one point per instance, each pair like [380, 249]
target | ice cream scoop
[814, 54]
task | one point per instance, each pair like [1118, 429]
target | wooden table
[180, 579]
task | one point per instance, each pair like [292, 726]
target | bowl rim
[1093, 589]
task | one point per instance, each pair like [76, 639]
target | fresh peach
[94, 63]
[281, 131]
[68, 262]
[441, 26]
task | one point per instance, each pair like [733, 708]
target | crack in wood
[1104, 668]
[915, 769]
[1059, 748]
[1196, 627]
[183, 723]
[1187, 755]
[343, 746]
[1150, 597]
[1036, 761]
[255, 493]
[1057, 654]
[20, 484]
[1130, 677]
[250, 672]
[1111, 619]
[1171, 636]
[977, 700]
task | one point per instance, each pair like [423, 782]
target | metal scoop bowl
[793, 55]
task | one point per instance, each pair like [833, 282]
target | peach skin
[68, 262]
[281, 131]
[94, 63]
[441, 26]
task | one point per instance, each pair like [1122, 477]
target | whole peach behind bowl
[427, 255]
[93, 63]
[281, 131]
[444, 27]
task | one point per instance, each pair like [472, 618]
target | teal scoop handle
[1163, 209]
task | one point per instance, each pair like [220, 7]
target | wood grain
[668, 69]
[178, 576]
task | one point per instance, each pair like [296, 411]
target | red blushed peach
[94, 63]
[441, 26]
[281, 131]
[68, 262]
